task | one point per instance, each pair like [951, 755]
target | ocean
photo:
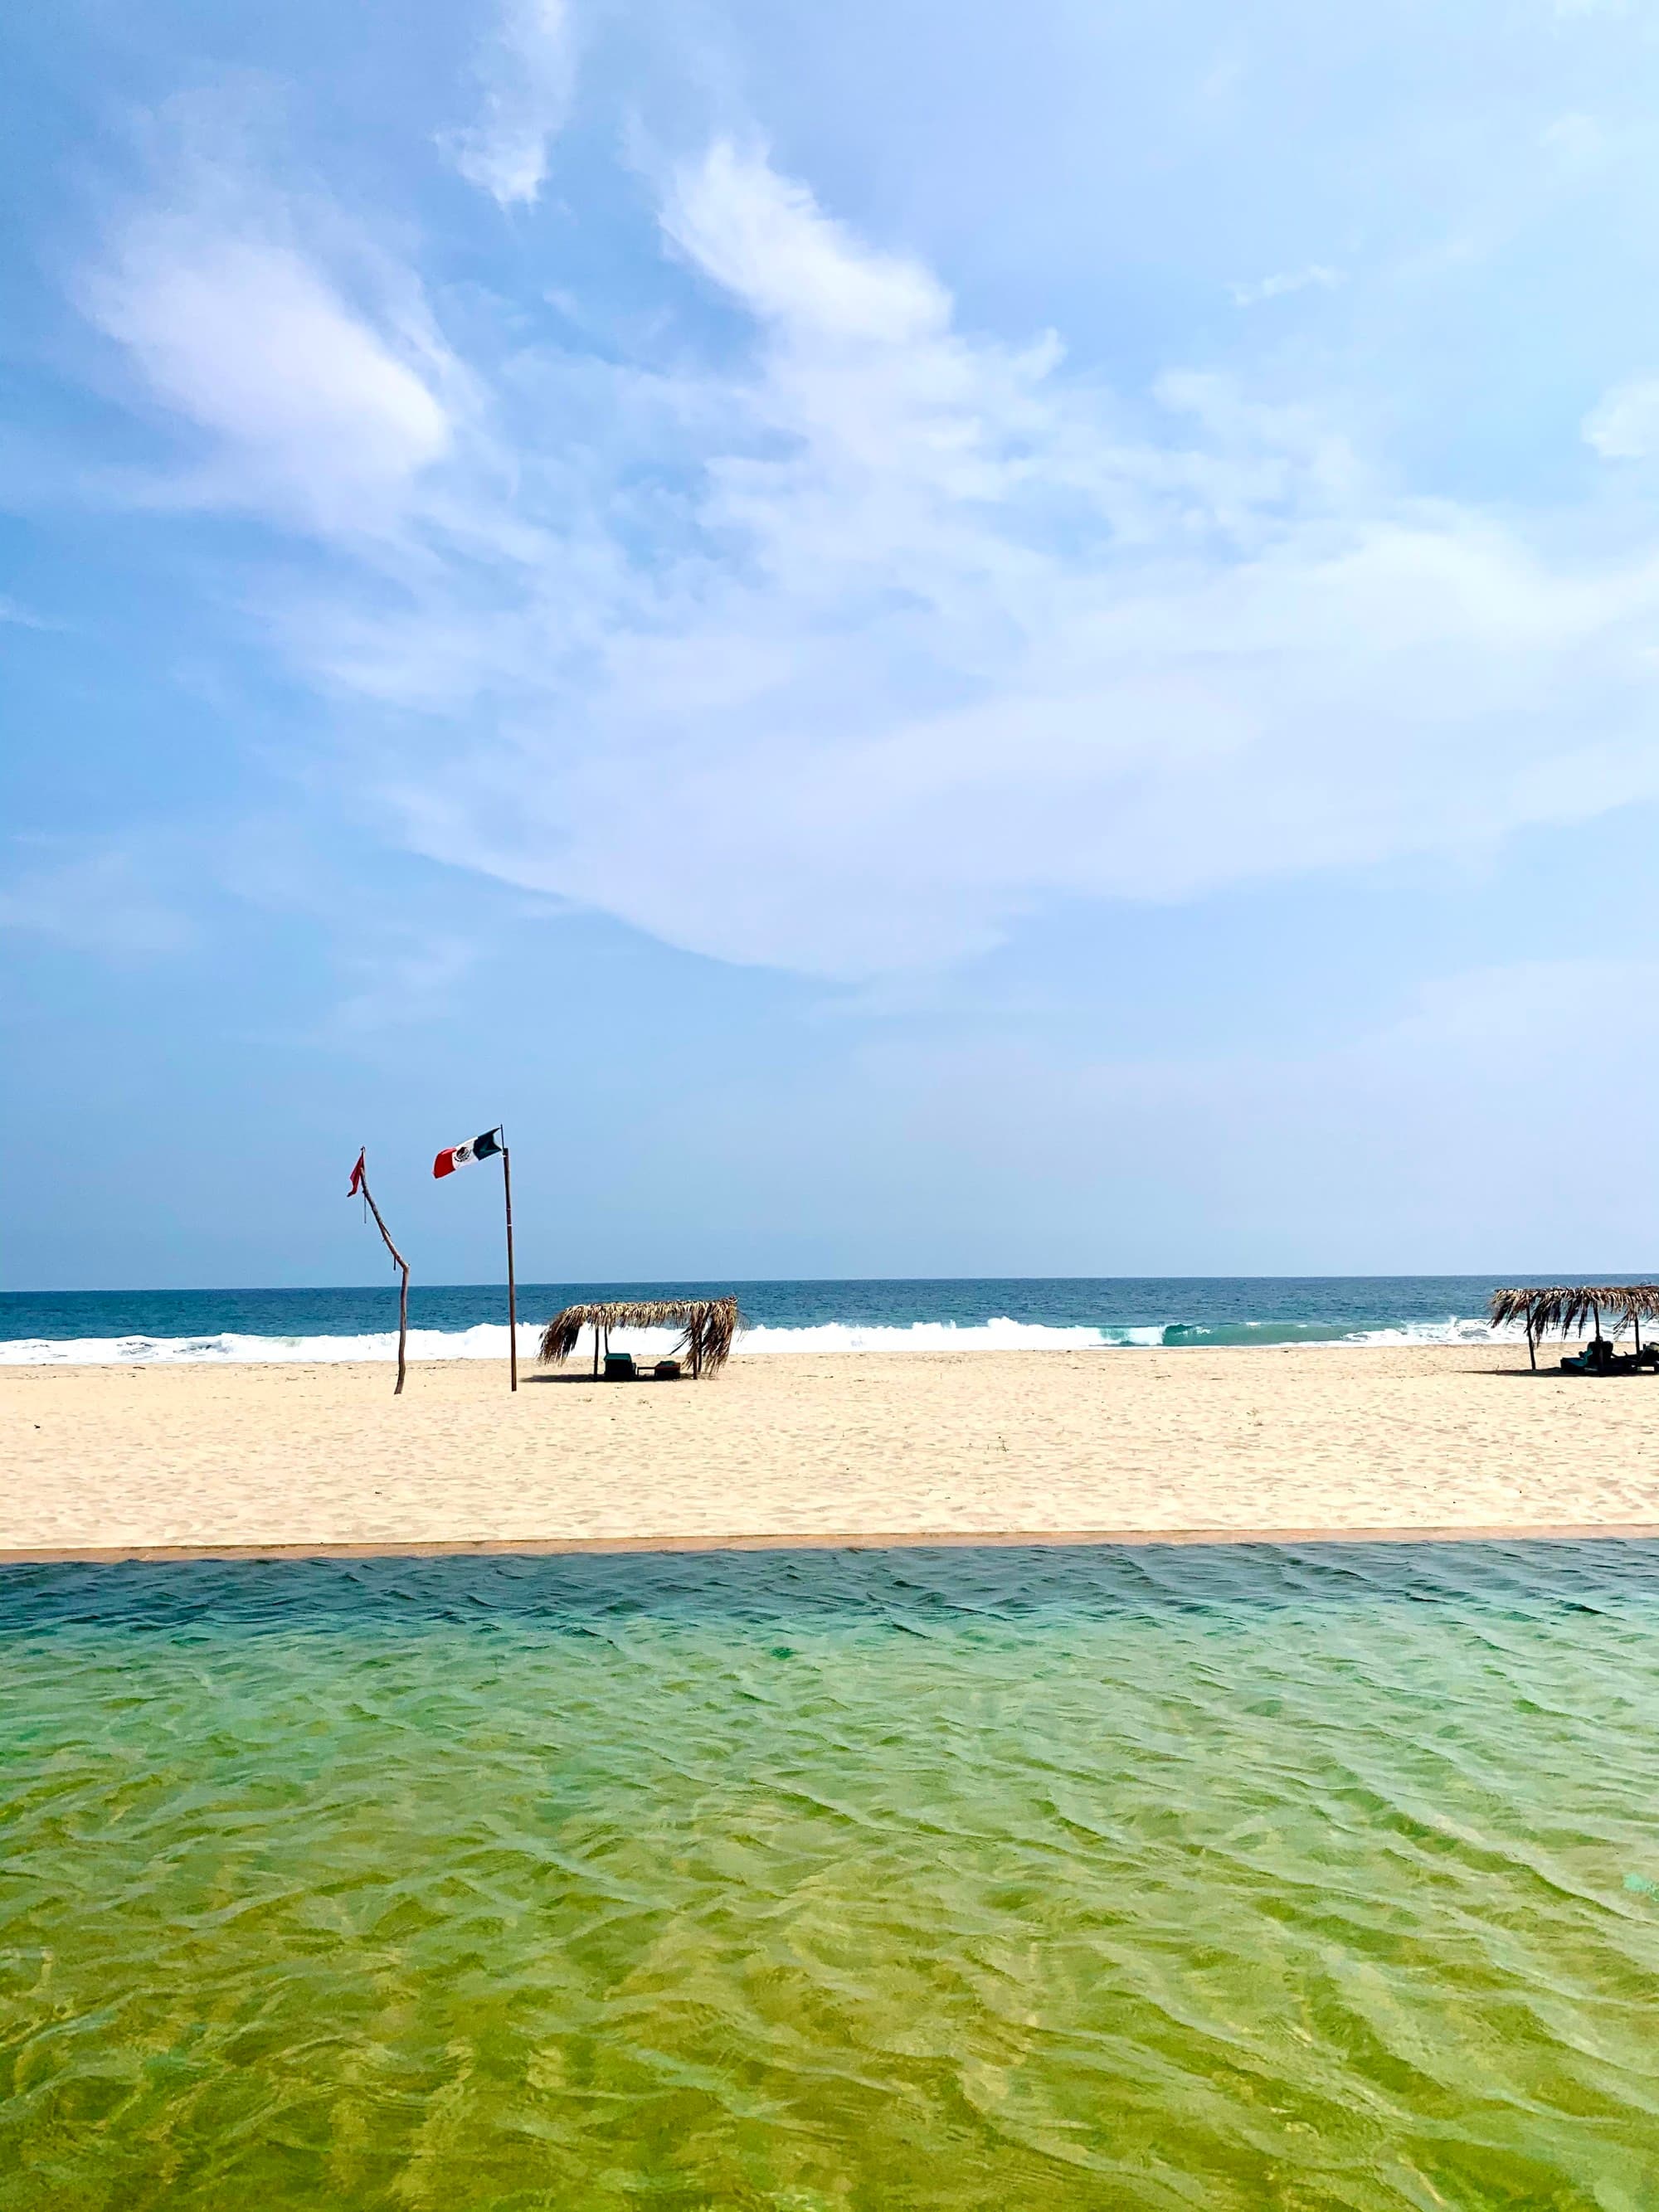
[1078, 1881]
[467, 1321]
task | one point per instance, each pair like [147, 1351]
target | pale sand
[863, 1446]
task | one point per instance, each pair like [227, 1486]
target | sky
[943, 642]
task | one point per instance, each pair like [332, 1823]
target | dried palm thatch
[708, 1327]
[1568, 1306]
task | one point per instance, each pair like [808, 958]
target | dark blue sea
[468, 1321]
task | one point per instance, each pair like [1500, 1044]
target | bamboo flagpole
[360, 1189]
[485, 1148]
[512, 1286]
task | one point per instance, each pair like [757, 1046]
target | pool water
[1169, 1877]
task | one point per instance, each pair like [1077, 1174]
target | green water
[1108, 1878]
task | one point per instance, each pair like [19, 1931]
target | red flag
[357, 1174]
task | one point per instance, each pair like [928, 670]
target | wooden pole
[596, 1351]
[402, 1294]
[1532, 1349]
[512, 1285]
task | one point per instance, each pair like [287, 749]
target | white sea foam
[1473, 1330]
[490, 1341]
[999, 1335]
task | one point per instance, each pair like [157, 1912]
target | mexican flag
[475, 1148]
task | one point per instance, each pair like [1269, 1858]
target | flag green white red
[459, 1156]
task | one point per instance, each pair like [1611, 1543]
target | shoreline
[529, 1367]
[937, 1540]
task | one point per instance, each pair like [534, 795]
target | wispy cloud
[307, 401]
[1624, 425]
[846, 656]
[102, 901]
[407, 978]
[1578, 141]
[22, 617]
[526, 73]
[1315, 277]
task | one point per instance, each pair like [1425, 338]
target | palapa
[708, 1327]
[1542, 1307]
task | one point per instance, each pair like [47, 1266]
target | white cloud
[1578, 142]
[1624, 426]
[308, 405]
[763, 240]
[1315, 276]
[845, 659]
[527, 72]
[1526, 1018]
[408, 978]
[22, 617]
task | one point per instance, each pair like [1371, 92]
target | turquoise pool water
[1169, 1877]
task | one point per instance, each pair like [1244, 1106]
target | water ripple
[1230, 1877]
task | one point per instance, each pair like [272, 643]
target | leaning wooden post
[1532, 1349]
[360, 1185]
[512, 1286]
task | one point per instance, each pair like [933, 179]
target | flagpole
[512, 1286]
[402, 1264]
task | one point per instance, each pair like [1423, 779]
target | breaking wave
[490, 1341]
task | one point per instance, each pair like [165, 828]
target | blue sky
[948, 640]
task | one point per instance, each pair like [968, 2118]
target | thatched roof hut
[708, 1327]
[1567, 1306]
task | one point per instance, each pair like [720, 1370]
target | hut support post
[1532, 1347]
[596, 1351]
[512, 1285]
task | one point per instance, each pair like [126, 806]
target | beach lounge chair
[667, 1371]
[1595, 1358]
[619, 1367]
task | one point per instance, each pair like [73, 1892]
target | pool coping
[820, 1541]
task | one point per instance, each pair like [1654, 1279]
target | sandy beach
[816, 1447]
